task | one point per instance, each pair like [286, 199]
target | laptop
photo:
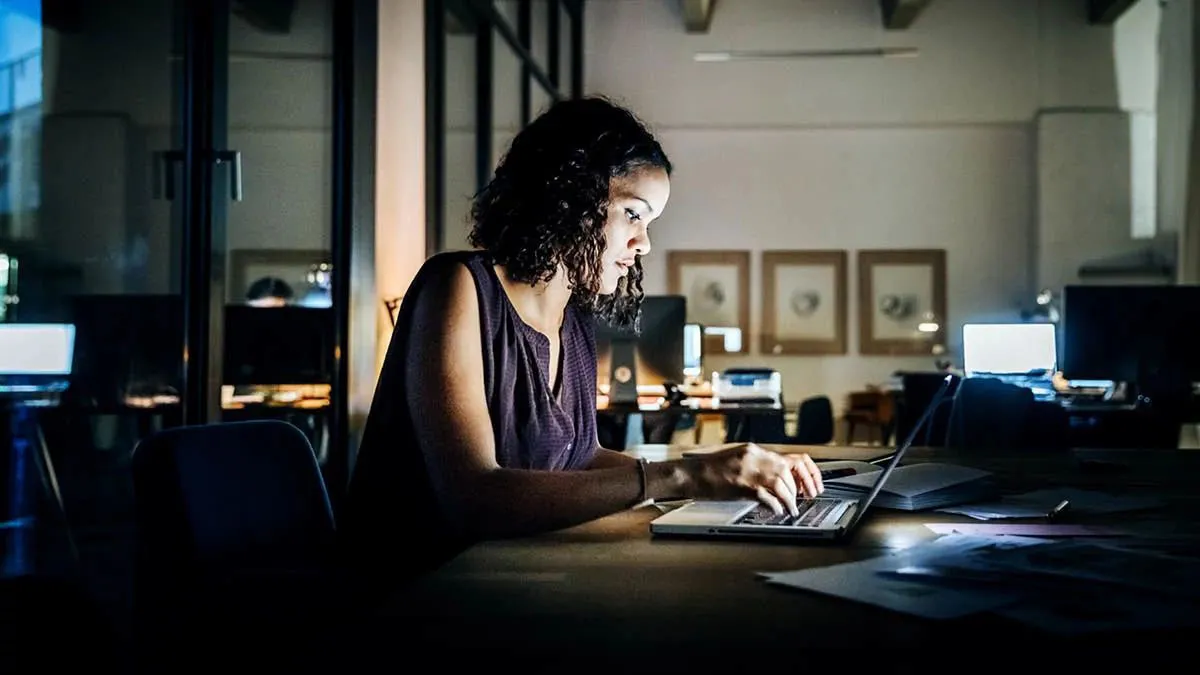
[820, 518]
[1024, 354]
[35, 358]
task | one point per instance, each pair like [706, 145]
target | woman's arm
[607, 459]
[447, 399]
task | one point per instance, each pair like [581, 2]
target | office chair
[814, 423]
[987, 413]
[234, 532]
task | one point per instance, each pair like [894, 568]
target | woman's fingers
[804, 476]
[785, 490]
[764, 495]
[815, 472]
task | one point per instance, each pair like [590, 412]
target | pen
[1058, 509]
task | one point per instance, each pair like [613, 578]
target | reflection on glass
[459, 171]
[87, 95]
[564, 51]
[281, 120]
[508, 11]
[539, 25]
[539, 99]
[506, 96]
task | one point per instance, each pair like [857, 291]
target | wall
[400, 154]
[934, 151]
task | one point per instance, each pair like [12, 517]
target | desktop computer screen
[1029, 349]
[654, 356]
[278, 345]
[1134, 334]
[125, 345]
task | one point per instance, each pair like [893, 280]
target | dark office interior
[943, 232]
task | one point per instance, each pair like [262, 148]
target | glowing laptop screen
[1009, 349]
[36, 349]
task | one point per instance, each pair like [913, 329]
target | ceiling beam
[1106, 12]
[697, 15]
[900, 14]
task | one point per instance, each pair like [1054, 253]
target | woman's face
[634, 201]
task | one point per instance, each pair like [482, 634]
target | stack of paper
[916, 487]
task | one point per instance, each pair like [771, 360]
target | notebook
[823, 518]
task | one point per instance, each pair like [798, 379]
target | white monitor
[1009, 349]
[36, 348]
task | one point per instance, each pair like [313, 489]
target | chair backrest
[232, 498]
[814, 423]
[918, 391]
[988, 414]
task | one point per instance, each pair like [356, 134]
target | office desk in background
[654, 419]
[605, 596]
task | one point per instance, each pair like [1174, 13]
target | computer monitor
[269, 346]
[1143, 335]
[126, 345]
[652, 357]
[1009, 349]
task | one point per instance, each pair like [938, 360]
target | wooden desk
[605, 596]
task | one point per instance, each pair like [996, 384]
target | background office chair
[814, 421]
[814, 425]
[235, 537]
[918, 389]
[988, 414]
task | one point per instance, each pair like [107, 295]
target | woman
[483, 424]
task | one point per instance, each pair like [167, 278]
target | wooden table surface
[606, 595]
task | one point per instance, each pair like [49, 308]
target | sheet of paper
[865, 581]
[1038, 503]
[1026, 529]
[860, 582]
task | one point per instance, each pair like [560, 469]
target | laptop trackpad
[709, 512]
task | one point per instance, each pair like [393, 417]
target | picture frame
[901, 301]
[291, 265]
[716, 285]
[804, 303]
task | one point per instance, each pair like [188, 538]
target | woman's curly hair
[547, 203]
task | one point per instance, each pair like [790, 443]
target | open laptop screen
[1009, 349]
[36, 349]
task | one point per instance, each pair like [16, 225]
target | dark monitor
[278, 345]
[1145, 335]
[656, 354]
[126, 345]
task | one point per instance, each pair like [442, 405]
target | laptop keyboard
[812, 512]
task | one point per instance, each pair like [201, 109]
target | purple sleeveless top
[391, 521]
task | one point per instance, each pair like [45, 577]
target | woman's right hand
[747, 470]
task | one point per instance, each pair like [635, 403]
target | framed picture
[902, 301]
[290, 266]
[804, 302]
[716, 285]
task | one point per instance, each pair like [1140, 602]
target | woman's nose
[641, 243]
